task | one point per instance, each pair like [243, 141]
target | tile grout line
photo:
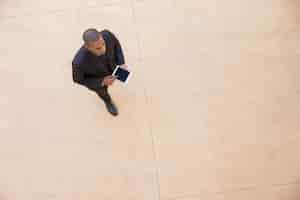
[174, 4]
[27, 14]
[147, 101]
[136, 30]
[153, 148]
[50, 12]
[233, 190]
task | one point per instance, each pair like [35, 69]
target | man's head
[94, 42]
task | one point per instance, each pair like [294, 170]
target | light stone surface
[212, 111]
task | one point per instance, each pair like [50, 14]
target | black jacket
[89, 69]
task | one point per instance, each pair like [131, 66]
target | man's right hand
[108, 80]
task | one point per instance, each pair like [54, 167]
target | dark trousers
[103, 94]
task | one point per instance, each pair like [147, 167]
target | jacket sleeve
[89, 82]
[119, 55]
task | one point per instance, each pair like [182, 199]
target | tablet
[122, 74]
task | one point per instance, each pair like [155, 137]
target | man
[95, 61]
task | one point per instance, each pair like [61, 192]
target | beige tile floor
[211, 113]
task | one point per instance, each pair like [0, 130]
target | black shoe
[111, 108]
